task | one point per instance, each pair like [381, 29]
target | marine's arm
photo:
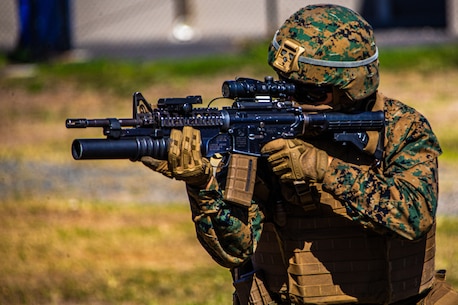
[401, 194]
[229, 232]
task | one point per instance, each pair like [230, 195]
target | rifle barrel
[83, 123]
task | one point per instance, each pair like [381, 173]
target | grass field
[98, 253]
[57, 252]
[120, 234]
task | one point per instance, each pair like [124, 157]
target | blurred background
[113, 232]
[151, 29]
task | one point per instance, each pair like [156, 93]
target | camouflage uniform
[363, 235]
[398, 197]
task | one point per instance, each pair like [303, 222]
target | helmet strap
[312, 61]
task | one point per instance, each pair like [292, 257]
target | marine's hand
[185, 160]
[294, 159]
[160, 166]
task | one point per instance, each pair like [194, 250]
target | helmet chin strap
[326, 63]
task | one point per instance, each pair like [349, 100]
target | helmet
[327, 45]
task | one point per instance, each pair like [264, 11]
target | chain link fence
[162, 27]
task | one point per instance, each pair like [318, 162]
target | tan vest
[333, 260]
[322, 256]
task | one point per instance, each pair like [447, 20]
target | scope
[249, 88]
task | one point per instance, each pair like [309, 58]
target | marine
[328, 223]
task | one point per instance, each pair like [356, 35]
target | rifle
[261, 112]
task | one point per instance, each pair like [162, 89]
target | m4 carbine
[261, 112]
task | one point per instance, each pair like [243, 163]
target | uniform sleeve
[227, 231]
[401, 194]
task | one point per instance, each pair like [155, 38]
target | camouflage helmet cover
[327, 45]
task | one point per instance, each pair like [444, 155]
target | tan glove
[185, 160]
[160, 166]
[294, 159]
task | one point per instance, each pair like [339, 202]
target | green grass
[447, 250]
[58, 252]
[97, 253]
[119, 76]
[423, 59]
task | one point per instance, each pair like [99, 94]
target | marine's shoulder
[395, 107]
[397, 111]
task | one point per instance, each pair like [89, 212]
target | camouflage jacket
[399, 196]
